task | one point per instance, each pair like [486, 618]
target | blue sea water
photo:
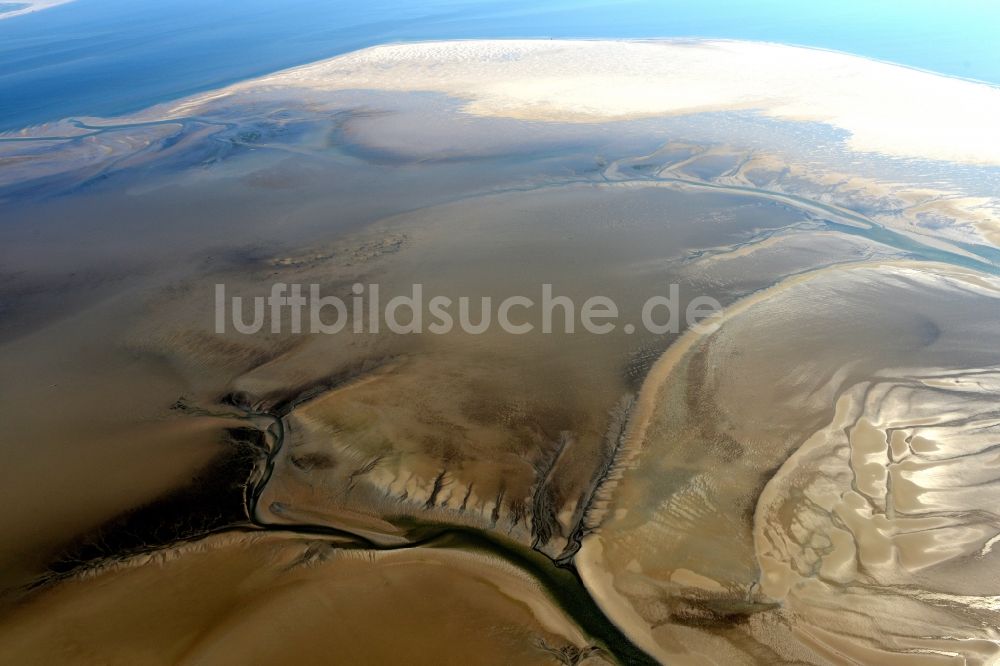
[107, 57]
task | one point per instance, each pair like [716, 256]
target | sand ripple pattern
[878, 533]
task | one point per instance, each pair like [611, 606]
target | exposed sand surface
[861, 534]
[899, 489]
[589, 81]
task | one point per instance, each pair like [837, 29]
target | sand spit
[883, 108]
[859, 111]
[591, 81]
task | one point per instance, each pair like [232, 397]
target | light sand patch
[905, 510]
[885, 108]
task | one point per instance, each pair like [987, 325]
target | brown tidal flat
[237, 599]
[813, 482]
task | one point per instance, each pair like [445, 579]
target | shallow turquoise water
[105, 57]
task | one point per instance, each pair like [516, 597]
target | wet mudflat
[731, 496]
